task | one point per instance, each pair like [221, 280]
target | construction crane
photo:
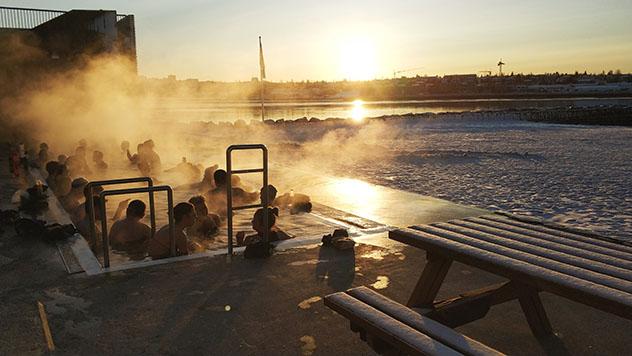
[500, 67]
[397, 72]
[488, 72]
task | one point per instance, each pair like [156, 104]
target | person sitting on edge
[206, 224]
[63, 183]
[79, 213]
[53, 169]
[130, 233]
[160, 246]
[217, 196]
[83, 225]
[71, 201]
[42, 155]
[274, 233]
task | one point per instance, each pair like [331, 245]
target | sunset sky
[342, 39]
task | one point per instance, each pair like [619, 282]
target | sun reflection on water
[355, 196]
[358, 112]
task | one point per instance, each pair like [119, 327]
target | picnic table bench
[392, 328]
[533, 257]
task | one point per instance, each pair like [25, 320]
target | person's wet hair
[272, 193]
[258, 218]
[197, 200]
[79, 183]
[136, 208]
[53, 168]
[96, 190]
[181, 210]
[220, 177]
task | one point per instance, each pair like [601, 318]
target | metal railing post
[229, 189]
[101, 183]
[150, 189]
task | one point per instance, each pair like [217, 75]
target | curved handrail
[90, 202]
[229, 188]
[150, 190]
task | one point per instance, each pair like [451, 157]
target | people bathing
[130, 234]
[160, 245]
[206, 224]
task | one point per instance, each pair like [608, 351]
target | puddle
[309, 345]
[382, 282]
[307, 303]
[376, 254]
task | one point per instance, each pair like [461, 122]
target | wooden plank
[431, 279]
[435, 330]
[472, 305]
[534, 311]
[621, 251]
[600, 297]
[597, 278]
[557, 243]
[525, 246]
[48, 336]
[391, 331]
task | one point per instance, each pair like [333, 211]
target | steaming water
[186, 110]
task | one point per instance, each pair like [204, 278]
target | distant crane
[488, 72]
[500, 67]
[397, 72]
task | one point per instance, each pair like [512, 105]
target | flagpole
[262, 76]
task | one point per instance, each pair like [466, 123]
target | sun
[358, 59]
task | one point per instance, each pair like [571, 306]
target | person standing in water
[130, 234]
[160, 246]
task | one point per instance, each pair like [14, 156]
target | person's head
[219, 177]
[272, 193]
[135, 210]
[149, 144]
[199, 203]
[61, 159]
[83, 143]
[184, 214]
[78, 185]
[184, 160]
[258, 223]
[97, 156]
[96, 191]
[43, 146]
[125, 145]
[52, 168]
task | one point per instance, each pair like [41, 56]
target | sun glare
[358, 112]
[358, 59]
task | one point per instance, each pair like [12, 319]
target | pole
[263, 110]
[262, 77]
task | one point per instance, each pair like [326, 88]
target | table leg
[534, 311]
[430, 281]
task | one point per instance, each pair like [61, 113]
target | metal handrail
[90, 202]
[150, 190]
[229, 189]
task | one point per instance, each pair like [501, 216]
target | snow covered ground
[580, 175]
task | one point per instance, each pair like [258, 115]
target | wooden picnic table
[533, 257]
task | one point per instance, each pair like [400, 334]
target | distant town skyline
[357, 40]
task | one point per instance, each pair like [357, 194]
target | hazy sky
[340, 39]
